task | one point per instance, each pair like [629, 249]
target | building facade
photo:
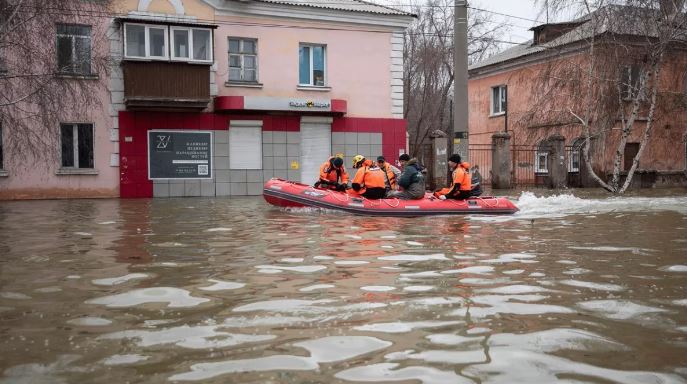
[506, 93]
[212, 98]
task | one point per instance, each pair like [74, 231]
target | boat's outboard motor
[476, 181]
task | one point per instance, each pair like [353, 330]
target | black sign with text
[179, 155]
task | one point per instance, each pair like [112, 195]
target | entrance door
[631, 150]
[316, 146]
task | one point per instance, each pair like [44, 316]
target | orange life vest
[369, 176]
[330, 173]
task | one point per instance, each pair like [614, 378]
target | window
[498, 100]
[74, 49]
[245, 144]
[311, 65]
[541, 158]
[575, 154]
[77, 145]
[191, 44]
[145, 41]
[630, 83]
[243, 59]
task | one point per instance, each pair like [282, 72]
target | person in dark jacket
[412, 181]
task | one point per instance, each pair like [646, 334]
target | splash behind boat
[285, 193]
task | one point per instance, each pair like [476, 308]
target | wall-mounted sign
[179, 154]
[309, 104]
[295, 165]
[264, 103]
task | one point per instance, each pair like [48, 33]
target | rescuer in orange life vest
[461, 188]
[333, 175]
[369, 181]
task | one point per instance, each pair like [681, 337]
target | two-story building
[214, 97]
[220, 96]
[534, 91]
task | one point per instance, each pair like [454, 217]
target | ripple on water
[119, 280]
[174, 297]
[220, 285]
[377, 288]
[674, 268]
[525, 258]
[90, 321]
[478, 270]
[435, 256]
[300, 268]
[386, 372]
[193, 337]
[403, 327]
[316, 287]
[619, 309]
[324, 350]
[595, 286]
[124, 359]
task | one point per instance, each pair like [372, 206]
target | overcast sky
[517, 27]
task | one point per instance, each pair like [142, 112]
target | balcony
[168, 86]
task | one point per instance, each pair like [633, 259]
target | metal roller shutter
[316, 146]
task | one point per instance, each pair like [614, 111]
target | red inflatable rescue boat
[285, 193]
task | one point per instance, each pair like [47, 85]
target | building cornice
[298, 13]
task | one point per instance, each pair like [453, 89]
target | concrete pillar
[460, 82]
[501, 158]
[440, 151]
[558, 169]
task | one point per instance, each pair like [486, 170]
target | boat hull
[284, 193]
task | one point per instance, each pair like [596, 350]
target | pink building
[212, 98]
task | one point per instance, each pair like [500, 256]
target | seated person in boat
[461, 188]
[391, 174]
[369, 181]
[412, 180]
[333, 175]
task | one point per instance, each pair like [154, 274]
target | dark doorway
[631, 150]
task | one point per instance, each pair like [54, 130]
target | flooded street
[569, 289]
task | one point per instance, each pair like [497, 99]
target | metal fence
[480, 160]
[524, 171]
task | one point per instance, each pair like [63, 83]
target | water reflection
[220, 290]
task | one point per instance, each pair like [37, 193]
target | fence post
[558, 170]
[440, 166]
[502, 166]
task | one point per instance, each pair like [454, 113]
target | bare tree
[617, 80]
[53, 65]
[428, 61]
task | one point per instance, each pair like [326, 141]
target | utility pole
[460, 79]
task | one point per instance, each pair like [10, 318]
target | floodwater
[570, 290]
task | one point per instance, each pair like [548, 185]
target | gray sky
[517, 27]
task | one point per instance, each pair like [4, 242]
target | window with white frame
[191, 44]
[312, 63]
[575, 155]
[245, 144]
[243, 59]
[541, 158]
[145, 41]
[74, 49]
[77, 145]
[498, 100]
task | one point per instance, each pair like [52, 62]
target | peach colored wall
[35, 178]
[357, 64]
[666, 150]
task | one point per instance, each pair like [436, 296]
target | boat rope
[485, 200]
[395, 199]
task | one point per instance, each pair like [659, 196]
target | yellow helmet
[357, 160]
